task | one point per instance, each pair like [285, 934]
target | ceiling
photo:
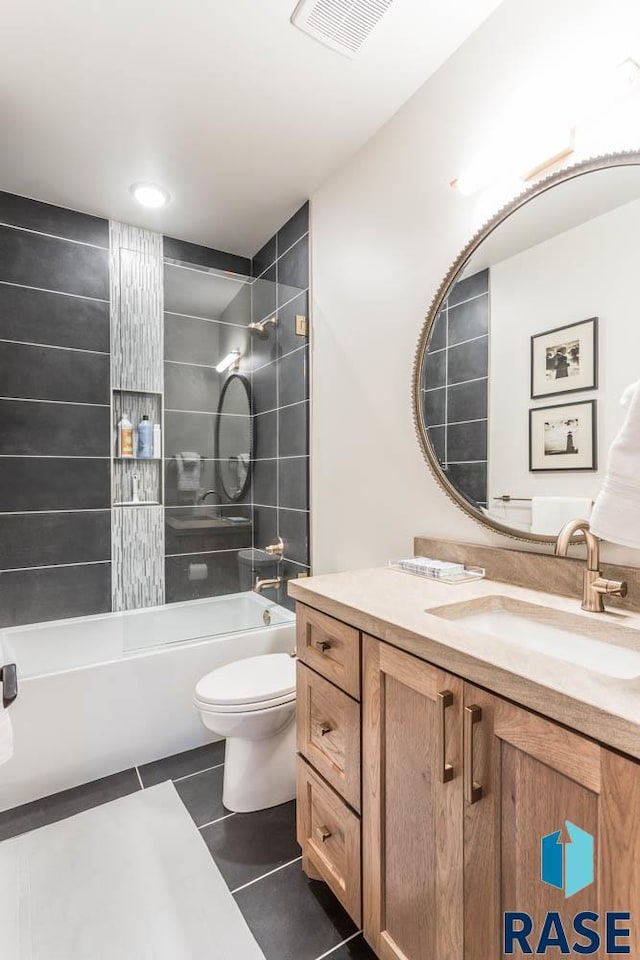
[223, 102]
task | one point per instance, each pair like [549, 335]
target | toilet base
[260, 773]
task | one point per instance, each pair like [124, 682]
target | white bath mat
[130, 880]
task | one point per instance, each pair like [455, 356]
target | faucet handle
[616, 588]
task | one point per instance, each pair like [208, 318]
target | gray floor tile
[202, 795]
[182, 764]
[294, 918]
[249, 845]
[58, 806]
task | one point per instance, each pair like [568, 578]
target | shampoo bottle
[125, 437]
[145, 438]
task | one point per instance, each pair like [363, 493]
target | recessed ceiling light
[150, 195]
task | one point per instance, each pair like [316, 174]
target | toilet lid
[254, 680]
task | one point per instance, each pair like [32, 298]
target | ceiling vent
[343, 25]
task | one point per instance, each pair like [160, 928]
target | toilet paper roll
[198, 571]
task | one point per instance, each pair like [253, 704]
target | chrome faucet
[261, 585]
[594, 586]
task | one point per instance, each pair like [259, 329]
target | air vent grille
[343, 25]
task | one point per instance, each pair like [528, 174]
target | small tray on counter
[463, 576]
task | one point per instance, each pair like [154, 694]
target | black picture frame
[591, 382]
[556, 465]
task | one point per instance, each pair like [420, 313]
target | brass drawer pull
[323, 645]
[445, 699]
[472, 790]
[324, 729]
[324, 833]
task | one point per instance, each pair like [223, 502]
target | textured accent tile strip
[138, 557]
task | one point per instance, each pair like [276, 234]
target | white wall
[588, 271]
[385, 228]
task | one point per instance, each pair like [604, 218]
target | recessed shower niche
[136, 480]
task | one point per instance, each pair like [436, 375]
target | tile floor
[291, 917]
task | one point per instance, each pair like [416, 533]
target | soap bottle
[125, 437]
[145, 438]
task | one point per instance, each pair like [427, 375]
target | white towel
[616, 514]
[189, 466]
[549, 514]
[6, 735]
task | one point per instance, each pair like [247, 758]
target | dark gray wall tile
[467, 401]
[436, 435]
[293, 483]
[48, 373]
[37, 316]
[289, 571]
[57, 221]
[189, 432]
[202, 529]
[293, 229]
[264, 295]
[32, 596]
[293, 378]
[470, 479]
[265, 482]
[467, 441]
[266, 526]
[266, 435]
[288, 339]
[30, 483]
[191, 388]
[191, 341]
[470, 319]
[43, 539]
[265, 256]
[469, 287]
[174, 249]
[51, 264]
[293, 527]
[434, 370]
[293, 271]
[186, 578]
[53, 429]
[264, 388]
[293, 430]
[434, 406]
[468, 361]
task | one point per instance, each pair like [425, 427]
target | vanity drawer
[329, 834]
[329, 732]
[330, 647]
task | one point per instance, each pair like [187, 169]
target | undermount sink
[594, 644]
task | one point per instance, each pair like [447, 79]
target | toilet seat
[252, 684]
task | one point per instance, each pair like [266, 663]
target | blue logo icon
[568, 865]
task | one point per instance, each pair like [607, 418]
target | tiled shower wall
[55, 539]
[280, 379]
[455, 386]
[56, 435]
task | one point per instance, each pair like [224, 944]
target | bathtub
[104, 693]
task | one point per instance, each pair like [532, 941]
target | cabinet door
[527, 779]
[412, 807]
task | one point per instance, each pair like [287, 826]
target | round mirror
[528, 347]
[234, 438]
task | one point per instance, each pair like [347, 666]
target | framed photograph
[563, 437]
[565, 360]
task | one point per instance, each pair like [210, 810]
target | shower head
[260, 328]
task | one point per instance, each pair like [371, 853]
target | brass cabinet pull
[324, 833]
[445, 699]
[324, 729]
[472, 790]
[323, 645]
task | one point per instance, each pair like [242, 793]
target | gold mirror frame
[603, 162]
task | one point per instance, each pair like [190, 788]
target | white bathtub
[100, 694]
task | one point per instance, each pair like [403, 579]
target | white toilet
[252, 703]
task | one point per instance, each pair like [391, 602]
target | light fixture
[230, 362]
[150, 195]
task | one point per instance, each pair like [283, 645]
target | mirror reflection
[531, 352]
[233, 437]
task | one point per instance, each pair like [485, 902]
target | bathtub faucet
[261, 585]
